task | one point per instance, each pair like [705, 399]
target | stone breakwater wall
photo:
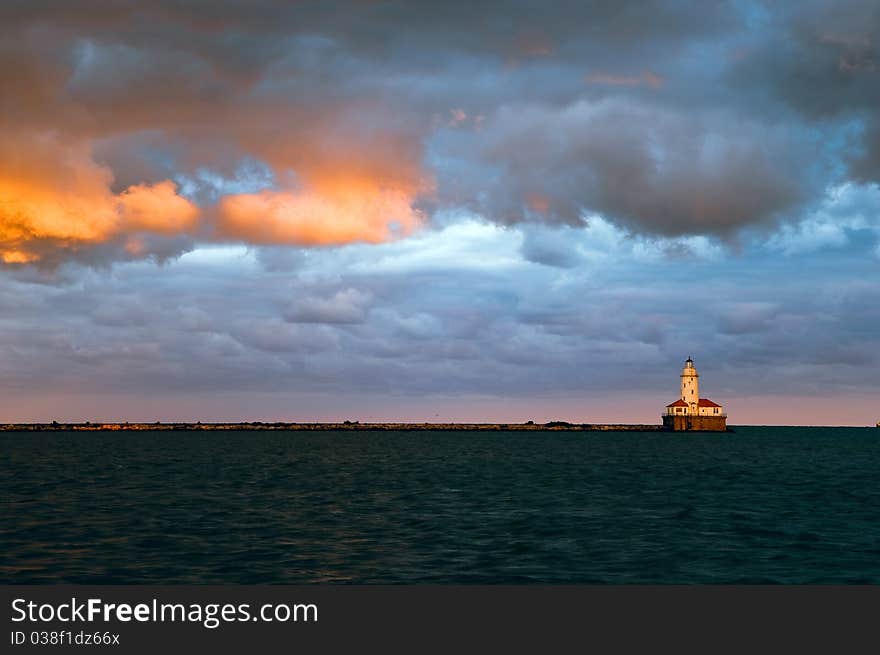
[347, 425]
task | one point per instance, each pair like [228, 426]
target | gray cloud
[666, 117]
[523, 331]
[821, 59]
[653, 169]
[551, 247]
[866, 165]
[343, 306]
[746, 317]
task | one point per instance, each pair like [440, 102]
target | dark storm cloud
[657, 170]
[821, 59]
[866, 164]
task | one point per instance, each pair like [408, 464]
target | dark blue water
[761, 505]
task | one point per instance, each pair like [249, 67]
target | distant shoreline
[318, 427]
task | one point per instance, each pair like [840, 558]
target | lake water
[760, 505]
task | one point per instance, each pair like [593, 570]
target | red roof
[703, 402]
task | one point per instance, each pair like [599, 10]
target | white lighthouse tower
[690, 412]
[690, 386]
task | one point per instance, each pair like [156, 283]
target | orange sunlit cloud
[335, 212]
[51, 190]
[54, 196]
[157, 209]
[33, 217]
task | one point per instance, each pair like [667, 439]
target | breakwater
[343, 426]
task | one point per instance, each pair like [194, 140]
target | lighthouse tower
[690, 412]
[690, 386]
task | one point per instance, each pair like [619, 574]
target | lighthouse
[690, 385]
[690, 412]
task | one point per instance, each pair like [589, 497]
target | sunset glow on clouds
[500, 201]
[345, 212]
[58, 199]
[55, 198]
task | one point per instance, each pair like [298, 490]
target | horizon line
[95, 425]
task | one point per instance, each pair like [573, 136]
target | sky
[435, 211]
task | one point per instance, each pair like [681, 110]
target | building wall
[711, 411]
[695, 423]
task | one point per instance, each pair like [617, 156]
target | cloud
[647, 78]
[550, 247]
[866, 165]
[343, 307]
[122, 313]
[746, 317]
[52, 191]
[650, 168]
[54, 199]
[274, 336]
[320, 126]
[382, 208]
[157, 209]
[820, 59]
[350, 211]
[609, 331]
[844, 212]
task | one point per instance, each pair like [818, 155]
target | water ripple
[763, 505]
